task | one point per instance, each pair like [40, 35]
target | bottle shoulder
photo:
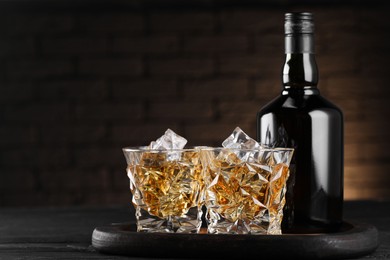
[286, 103]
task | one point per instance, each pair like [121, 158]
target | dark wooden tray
[355, 240]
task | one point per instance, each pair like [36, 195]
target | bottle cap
[298, 23]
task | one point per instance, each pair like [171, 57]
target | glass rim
[262, 148]
[145, 148]
[207, 148]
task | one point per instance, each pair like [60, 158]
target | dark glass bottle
[303, 119]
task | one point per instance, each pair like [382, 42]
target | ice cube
[170, 140]
[239, 139]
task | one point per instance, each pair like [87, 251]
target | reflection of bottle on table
[304, 120]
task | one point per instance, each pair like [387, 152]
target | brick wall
[78, 83]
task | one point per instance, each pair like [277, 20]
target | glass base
[188, 223]
[261, 226]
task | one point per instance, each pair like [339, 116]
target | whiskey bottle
[303, 119]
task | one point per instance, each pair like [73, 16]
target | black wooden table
[65, 233]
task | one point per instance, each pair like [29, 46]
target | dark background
[79, 80]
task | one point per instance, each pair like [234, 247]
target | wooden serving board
[355, 240]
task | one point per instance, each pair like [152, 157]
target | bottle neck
[300, 67]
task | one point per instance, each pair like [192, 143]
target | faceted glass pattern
[245, 189]
[167, 188]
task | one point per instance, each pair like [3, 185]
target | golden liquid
[244, 191]
[167, 188]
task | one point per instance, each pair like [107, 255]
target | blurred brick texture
[77, 84]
